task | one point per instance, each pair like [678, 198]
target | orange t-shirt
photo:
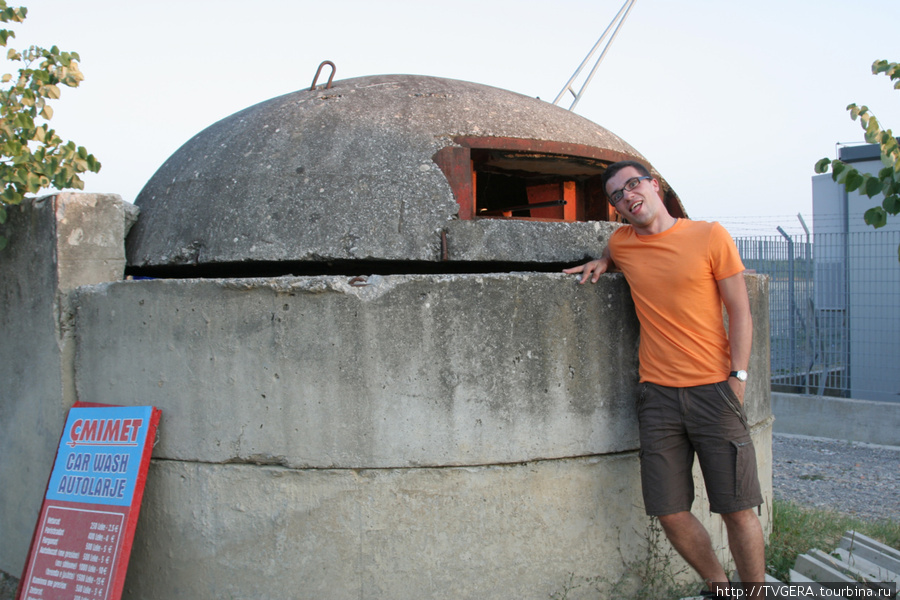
[673, 277]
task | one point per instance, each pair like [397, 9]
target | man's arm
[595, 267]
[740, 326]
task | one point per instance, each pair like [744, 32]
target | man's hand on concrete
[591, 270]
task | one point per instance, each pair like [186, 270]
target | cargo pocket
[744, 467]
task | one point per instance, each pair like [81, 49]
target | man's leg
[745, 537]
[667, 458]
[721, 435]
[689, 537]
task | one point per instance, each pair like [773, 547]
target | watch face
[739, 375]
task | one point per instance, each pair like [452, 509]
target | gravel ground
[861, 480]
[856, 479]
[7, 587]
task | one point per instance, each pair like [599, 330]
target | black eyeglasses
[632, 183]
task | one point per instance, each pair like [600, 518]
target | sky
[732, 101]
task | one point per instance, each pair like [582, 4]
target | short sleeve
[724, 258]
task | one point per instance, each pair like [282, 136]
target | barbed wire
[756, 225]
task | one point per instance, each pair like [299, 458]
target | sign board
[85, 530]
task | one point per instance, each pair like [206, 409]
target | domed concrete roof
[373, 168]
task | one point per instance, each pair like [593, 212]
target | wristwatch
[739, 375]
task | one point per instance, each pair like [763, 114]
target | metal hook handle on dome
[319, 70]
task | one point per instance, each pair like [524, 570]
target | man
[692, 373]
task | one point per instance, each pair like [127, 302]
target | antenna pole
[617, 21]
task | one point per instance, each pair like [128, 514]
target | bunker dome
[381, 168]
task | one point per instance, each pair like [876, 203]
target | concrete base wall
[838, 418]
[503, 531]
[458, 436]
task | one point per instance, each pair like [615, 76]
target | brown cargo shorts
[706, 420]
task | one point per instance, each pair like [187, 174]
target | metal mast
[614, 25]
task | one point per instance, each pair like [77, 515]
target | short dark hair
[616, 167]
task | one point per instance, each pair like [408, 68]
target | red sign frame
[83, 537]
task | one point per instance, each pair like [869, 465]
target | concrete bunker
[375, 381]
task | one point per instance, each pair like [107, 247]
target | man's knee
[676, 522]
[741, 519]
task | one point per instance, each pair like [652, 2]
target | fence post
[793, 332]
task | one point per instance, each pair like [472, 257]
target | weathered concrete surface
[508, 531]
[404, 371]
[838, 418]
[494, 240]
[89, 229]
[758, 399]
[56, 243]
[341, 174]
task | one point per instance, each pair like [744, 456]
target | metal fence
[834, 311]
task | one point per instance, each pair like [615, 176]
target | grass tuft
[797, 529]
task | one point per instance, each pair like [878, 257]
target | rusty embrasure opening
[535, 185]
[512, 178]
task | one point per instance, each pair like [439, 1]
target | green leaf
[822, 165]
[876, 217]
[872, 131]
[854, 181]
[837, 167]
[872, 186]
[891, 204]
[11, 195]
[34, 157]
[3, 242]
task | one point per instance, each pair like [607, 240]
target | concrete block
[865, 568]
[503, 241]
[90, 231]
[872, 550]
[821, 567]
[404, 371]
[814, 587]
[860, 576]
[837, 418]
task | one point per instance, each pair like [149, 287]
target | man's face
[640, 205]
